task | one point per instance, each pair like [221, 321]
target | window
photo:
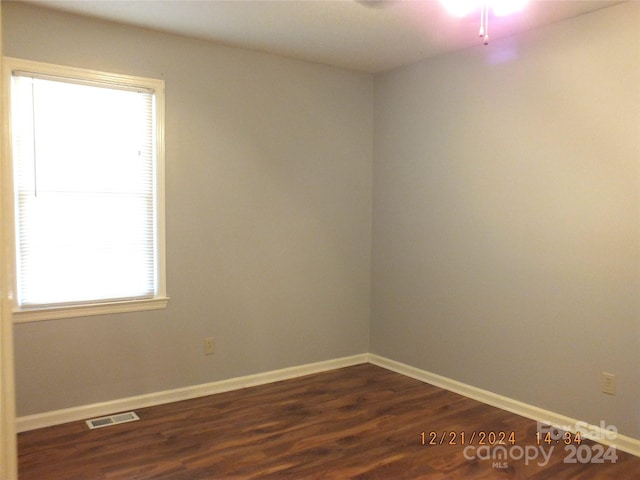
[87, 160]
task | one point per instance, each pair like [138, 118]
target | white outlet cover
[608, 383]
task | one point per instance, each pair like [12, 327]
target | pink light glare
[502, 8]
[460, 8]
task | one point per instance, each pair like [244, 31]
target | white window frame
[160, 300]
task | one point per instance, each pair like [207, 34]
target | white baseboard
[57, 417]
[596, 433]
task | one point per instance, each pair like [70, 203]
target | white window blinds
[84, 170]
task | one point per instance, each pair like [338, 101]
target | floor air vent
[112, 420]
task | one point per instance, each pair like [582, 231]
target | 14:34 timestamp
[566, 438]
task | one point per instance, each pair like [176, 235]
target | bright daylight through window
[87, 167]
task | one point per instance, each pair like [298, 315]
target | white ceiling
[356, 34]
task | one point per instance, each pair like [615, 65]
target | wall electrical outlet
[209, 346]
[608, 383]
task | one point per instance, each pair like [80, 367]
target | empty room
[320, 239]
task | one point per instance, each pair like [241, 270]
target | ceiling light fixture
[501, 8]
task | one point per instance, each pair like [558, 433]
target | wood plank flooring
[360, 422]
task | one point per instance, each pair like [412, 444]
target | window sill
[53, 313]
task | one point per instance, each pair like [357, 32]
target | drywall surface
[506, 216]
[268, 218]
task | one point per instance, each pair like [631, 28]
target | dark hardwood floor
[357, 422]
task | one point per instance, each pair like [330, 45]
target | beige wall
[506, 222]
[268, 200]
[506, 216]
